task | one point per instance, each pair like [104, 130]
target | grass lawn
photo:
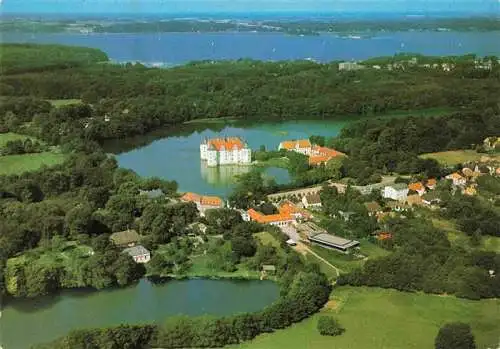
[62, 102]
[387, 319]
[266, 238]
[16, 164]
[200, 268]
[10, 136]
[282, 162]
[454, 157]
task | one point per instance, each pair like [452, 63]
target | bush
[455, 336]
[328, 326]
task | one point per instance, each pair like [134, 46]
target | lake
[27, 322]
[178, 48]
[175, 154]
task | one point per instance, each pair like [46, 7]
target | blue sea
[168, 49]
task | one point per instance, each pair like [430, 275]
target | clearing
[62, 102]
[11, 136]
[455, 157]
[386, 319]
[16, 164]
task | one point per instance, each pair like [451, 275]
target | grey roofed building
[152, 194]
[332, 241]
[125, 238]
[139, 253]
[138, 250]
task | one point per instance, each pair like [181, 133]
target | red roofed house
[321, 155]
[302, 146]
[202, 202]
[431, 183]
[457, 179]
[288, 214]
[417, 187]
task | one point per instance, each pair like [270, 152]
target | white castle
[225, 151]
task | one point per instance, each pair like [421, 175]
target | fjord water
[28, 322]
[178, 48]
[175, 154]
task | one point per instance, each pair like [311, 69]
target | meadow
[386, 319]
[16, 164]
[455, 157]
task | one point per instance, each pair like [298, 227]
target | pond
[174, 154]
[28, 322]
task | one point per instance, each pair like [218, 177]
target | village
[300, 214]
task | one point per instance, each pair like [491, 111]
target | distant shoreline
[291, 26]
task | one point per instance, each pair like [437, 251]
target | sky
[242, 6]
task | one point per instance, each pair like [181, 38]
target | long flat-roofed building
[333, 242]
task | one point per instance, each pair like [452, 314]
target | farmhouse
[139, 253]
[312, 200]
[417, 187]
[397, 192]
[302, 146]
[225, 151]
[457, 179]
[126, 238]
[202, 202]
[333, 242]
[431, 183]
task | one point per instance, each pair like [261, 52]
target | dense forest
[293, 27]
[126, 100]
[17, 58]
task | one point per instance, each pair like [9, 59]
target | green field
[200, 268]
[387, 319]
[10, 136]
[266, 238]
[16, 164]
[347, 263]
[62, 102]
[454, 157]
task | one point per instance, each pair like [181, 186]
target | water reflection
[222, 176]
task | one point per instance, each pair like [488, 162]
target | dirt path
[304, 249]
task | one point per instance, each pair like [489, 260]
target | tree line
[125, 100]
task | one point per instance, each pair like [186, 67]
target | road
[304, 249]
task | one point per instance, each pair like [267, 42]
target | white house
[311, 200]
[139, 253]
[397, 192]
[225, 151]
[457, 179]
